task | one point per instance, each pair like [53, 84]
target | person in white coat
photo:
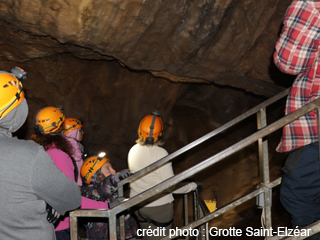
[159, 212]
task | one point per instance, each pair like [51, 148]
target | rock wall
[228, 42]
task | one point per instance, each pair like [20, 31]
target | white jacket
[141, 156]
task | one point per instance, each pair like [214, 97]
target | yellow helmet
[49, 119]
[151, 128]
[11, 93]
[71, 124]
[90, 166]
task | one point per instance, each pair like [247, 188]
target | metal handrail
[217, 157]
[230, 206]
[202, 212]
[199, 208]
[111, 213]
[200, 140]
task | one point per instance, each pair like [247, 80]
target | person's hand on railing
[199, 187]
[195, 186]
[191, 186]
[121, 175]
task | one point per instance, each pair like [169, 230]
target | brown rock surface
[226, 42]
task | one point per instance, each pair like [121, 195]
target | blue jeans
[63, 234]
[300, 186]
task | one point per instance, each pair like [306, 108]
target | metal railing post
[263, 147]
[186, 211]
[207, 231]
[74, 225]
[264, 167]
[113, 226]
[122, 227]
[120, 190]
[195, 208]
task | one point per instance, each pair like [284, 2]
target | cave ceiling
[226, 42]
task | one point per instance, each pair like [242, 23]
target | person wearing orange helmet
[101, 183]
[158, 213]
[30, 181]
[49, 130]
[74, 134]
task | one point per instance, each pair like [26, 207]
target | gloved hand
[52, 216]
[199, 187]
[121, 175]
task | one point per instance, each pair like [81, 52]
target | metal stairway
[263, 191]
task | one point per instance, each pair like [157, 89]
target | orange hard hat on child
[11, 92]
[91, 165]
[151, 128]
[71, 124]
[49, 119]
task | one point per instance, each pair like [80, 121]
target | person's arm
[166, 172]
[64, 162]
[107, 187]
[186, 188]
[91, 199]
[52, 185]
[87, 203]
[297, 47]
[90, 191]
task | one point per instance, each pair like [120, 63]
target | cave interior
[199, 63]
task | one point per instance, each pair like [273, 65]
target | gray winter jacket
[29, 179]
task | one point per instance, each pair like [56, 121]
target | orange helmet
[49, 119]
[90, 166]
[151, 128]
[71, 124]
[11, 93]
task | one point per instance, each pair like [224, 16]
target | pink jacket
[64, 163]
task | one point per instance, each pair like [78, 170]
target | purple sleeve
[87, 203]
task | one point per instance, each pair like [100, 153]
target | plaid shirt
[297, 53]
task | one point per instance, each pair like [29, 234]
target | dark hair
[57, 140]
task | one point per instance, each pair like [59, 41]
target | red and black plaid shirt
[297, 53]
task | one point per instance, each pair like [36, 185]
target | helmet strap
[91, 169]
[38, 130]
[150, 139]
[54, 124]
[73, 126]
[18, 95]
